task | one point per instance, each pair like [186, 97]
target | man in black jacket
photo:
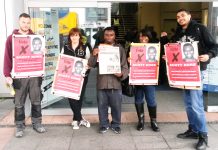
[188, 31]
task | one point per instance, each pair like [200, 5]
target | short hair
[25, 15]
[183, 9]
[109, 29]
[188, 45]
[79, 62]
[37, 39]
[152, 48]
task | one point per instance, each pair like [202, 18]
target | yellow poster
[67, 22]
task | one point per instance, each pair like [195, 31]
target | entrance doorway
[55, 22]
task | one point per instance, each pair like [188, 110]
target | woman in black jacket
[76, 48]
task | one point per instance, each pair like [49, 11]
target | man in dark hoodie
[24, 86]
[188, 31]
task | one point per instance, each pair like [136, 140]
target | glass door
[210, 75]
[55, 23]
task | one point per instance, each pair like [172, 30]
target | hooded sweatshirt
[198, 32]
[8, 53]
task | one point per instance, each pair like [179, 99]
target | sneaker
[39, 128]
[75, 125]
[116, 130]
[189, 134]
[19, 133]
[84, 123]
[202, 142]
[103, 129]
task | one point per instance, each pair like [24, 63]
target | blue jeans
[109, 98]
[194, 105]
[145, 90]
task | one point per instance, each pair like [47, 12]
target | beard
[24, 30]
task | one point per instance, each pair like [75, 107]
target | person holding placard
[76, 48]
[189, 30]
[24, 86]
[147, 91]
[109, 93]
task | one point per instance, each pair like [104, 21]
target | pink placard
[27, 60]
[144, 64]
[69, 79]
[182, 64]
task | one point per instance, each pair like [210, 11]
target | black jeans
[76, 105]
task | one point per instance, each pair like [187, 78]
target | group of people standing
[109, 91]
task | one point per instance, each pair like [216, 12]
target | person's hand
[45, 50]
[87, 67]
[9, 80]
[164, 57]
[163, 34]
[118, 75]
[95, 51]
[203, 58]
[128, 59]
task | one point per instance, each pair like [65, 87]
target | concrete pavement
[62, 137]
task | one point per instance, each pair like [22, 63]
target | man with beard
[24, 86]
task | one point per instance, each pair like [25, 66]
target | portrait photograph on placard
[144, 64]
[68, 79]
[183, 67]
[28, 56]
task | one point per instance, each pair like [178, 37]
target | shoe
[154, 126]
[39, 128]
[189, 134]
[103, 129]
[153, 115]
[19, 131]
[84, 123]
[141, 118]
[202, 142]
[116, 130]
[75, 125]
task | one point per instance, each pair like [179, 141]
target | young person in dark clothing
[76, 48]
[189, 31]
[24, 86]
[145, 91]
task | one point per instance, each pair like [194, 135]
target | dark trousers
[24, 86]
[109, 98]
[76, 105]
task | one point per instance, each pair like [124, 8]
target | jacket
[198, 32]
[8, 54]
[110, 81]
[78, 52]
